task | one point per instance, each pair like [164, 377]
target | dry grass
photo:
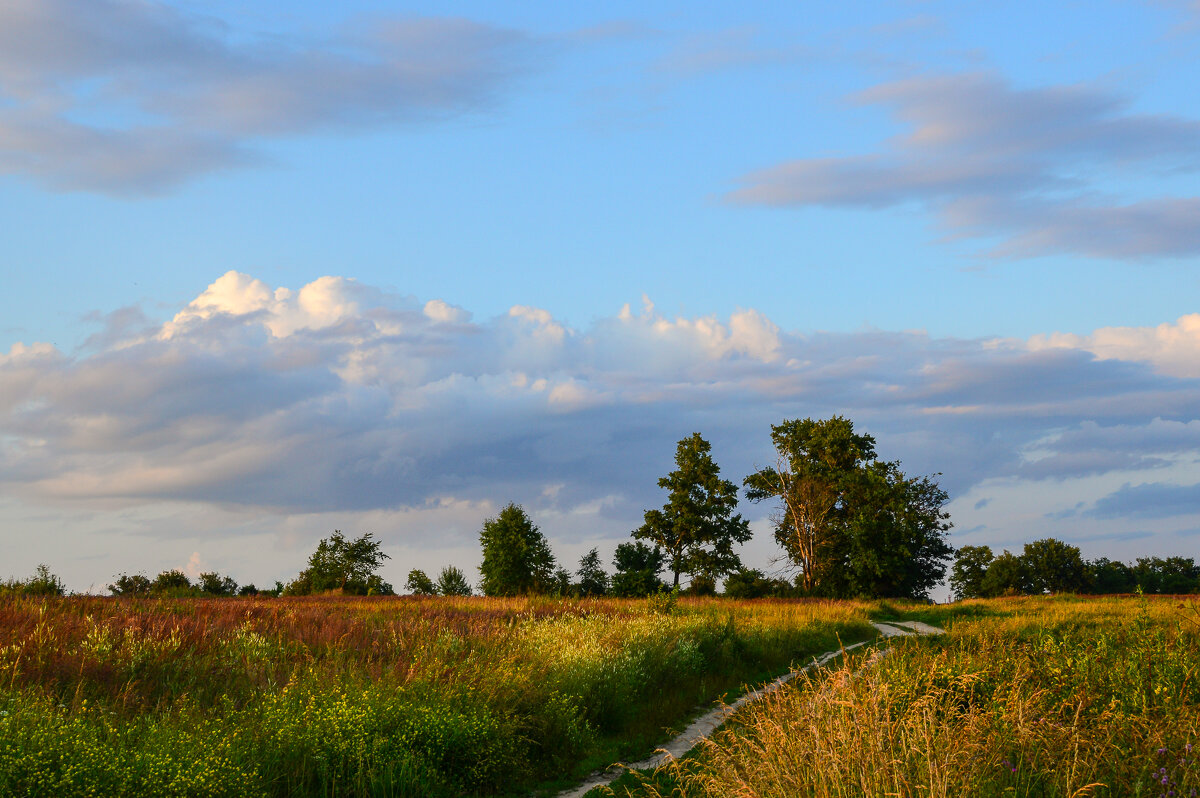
[1055, 698]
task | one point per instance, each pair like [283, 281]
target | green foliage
[343, 565]
[1008, 575]
[130, 585]
[212, 583]
[970, 566]
[42, 583]
[663, 602]
[452, 582]
[516, 556]
[419, 584]
[1170, 575]
[172, 583]
[637, 569]
[593, 580]
[852, 525]
[697, 528]
[815, 461]
[751, 583]
[1109, 576]
[1054, 567]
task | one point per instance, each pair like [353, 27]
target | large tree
[344, 565]
[593, 581]
[452, 582]
[851, 525]
[815, 462]
[970, 567]
[697, 528]
[516, 556]
[1053, 566]
[637, 568]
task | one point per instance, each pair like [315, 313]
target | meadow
[370, 696]
[1022, 697]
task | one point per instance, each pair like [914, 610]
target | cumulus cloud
[1023, 165]
[339, 397]
[129, 97]
[1173, 348]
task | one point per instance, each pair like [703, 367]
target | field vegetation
[368, 696]
[1022, 697]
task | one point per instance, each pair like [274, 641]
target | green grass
[371, 697]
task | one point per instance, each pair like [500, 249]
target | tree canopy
[345, 565]
[697, 528]
[516, 556]
[851, 525]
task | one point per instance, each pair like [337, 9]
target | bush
[42, 583]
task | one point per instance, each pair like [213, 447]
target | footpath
[709, 722]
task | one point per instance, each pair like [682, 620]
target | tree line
[1053, 566]
[848, 525]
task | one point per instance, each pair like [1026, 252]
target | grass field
[1022, 697]
[341, 696]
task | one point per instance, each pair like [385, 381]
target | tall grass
[1039, 697]
[398, 696]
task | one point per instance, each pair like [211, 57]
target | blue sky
[272, 269]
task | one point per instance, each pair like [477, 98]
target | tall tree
[593, 581]
[851, 524]
[896, 534]
[345, 565]
[1006, 576]
[637, 568]
[452, 582]
[419, 583]
[697, 527]
[970, 566]
[815, 461]
[1053, 566]
[516, 556]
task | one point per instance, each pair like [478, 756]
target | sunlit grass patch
[1046, 697]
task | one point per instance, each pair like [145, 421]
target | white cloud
[337, 399]
[1172, 348]
[131, 98]
[1025, 166]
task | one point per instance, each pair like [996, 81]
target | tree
[213, 584]
[751, 583]
[896, 534]
[852, 525]
[419, 584]
[344, 565]
[130, 585]
[696, 529]
[814, 463]
[42, 583]
[452, 582]
[970, 567]
[1107, 576]
[637, 568]
[1006, 576]
[171, 583]
[516, 556]
[593, 581]
[1053, 566]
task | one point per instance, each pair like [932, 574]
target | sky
[275, 269]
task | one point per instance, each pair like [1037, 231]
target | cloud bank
[1026, 168]
[339, 397]
[130, 98]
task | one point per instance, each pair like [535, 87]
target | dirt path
[707, 723]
